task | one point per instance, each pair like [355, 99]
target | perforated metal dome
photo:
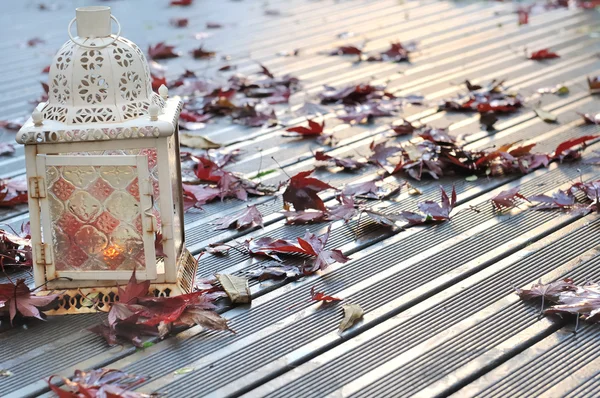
[98, 77]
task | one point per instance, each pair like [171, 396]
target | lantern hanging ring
[115, 38]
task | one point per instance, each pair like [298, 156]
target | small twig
[281, 168]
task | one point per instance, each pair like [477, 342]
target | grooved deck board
[440, 315]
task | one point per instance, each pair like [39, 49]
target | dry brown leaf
[197, 141]
[352, 313]
[236, 288]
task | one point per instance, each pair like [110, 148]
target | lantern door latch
[37, 188]
[42, 254]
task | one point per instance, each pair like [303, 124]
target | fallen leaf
[545, 116]
[181, 2]
[248, 218]
[179, 22]
[19, 299]
[99, 383]
[197, 141]
[543, 54]
[182, 371]
[236, 288]
[302, 191]
[352, 314]
[138, 314]
[346, 50]
[313, 129]
[201, 53]
[564, 149]
[162, 51]
[550, 291]
[320, 296]
[590, 119]
[507, 198]
[310, 245]
[346, 163]
[276, 272]
[488, 119]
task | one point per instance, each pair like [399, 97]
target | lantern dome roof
[97, 78]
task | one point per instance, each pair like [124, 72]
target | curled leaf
[352, 313]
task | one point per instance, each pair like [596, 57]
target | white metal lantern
[103, 171]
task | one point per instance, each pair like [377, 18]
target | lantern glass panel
[96, 217]
[151, 154]
[174, 167]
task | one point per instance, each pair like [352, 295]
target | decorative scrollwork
[93, 89]
[130, 85]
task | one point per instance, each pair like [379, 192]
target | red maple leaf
[157, 82]
[346, 163]
[313, 129]
[201, 53]
[564, 149]
[320, 296]
[249, 217]
[543, 54]
[11, 125]
[99, 383]
[315, 245]
[564, 200]
[179, 22]
[138, 314]
[19, 299]
[309, 245]
[162, 51]
[346, 50]
[133, 290]
[396, 53]
[372, 189]
[12, 192]
[594, 83]
[549, 291]
[15, 250]
[198, 195]
[507, 198]
[207, 170]
[403, 127]
[381, 153]
[302, 191]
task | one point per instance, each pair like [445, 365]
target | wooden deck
[441, 316]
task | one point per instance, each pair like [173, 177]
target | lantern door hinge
[37, 188]
[43, 255]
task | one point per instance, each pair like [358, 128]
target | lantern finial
[153, 111]
[163, 91]
[37, 118]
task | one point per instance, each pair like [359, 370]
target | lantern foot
[99, 299]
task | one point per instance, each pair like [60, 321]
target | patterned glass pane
[96, 217]
[174, 166]
[152, 170]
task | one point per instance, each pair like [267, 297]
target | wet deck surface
[441, 317]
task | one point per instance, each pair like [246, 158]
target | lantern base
[91, 300]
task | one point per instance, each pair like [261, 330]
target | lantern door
[97, 220]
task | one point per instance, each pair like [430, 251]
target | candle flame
[112, 251]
